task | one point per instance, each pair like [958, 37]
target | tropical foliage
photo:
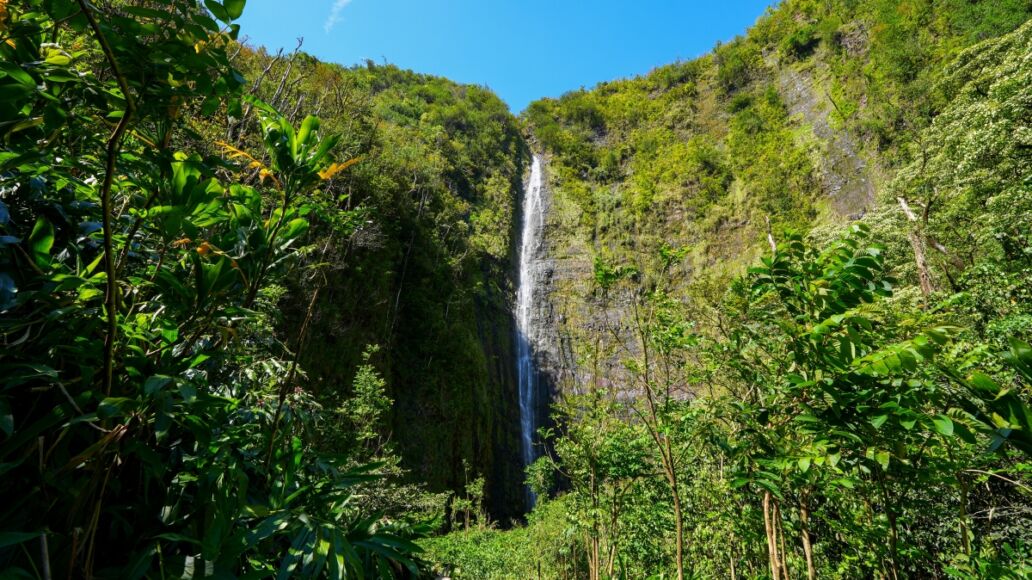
[856, 404]
[153, 424]
[256, 309]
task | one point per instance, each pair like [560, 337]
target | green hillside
[423, 270]
[803, 122]
[812, 416]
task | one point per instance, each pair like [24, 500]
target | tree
[600, 457]
[151, 422]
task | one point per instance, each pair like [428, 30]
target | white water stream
[530, 242]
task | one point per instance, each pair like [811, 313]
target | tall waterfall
[530, 243]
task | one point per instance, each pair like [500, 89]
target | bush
[800, 43]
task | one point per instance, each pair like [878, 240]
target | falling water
[533, 224]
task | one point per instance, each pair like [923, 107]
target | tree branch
[113, 148]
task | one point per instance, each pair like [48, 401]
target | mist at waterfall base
[527, 376]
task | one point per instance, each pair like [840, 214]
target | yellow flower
[337, 168]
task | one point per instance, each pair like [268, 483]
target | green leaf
[234, 8]
[28, 371]
[269, 526]
[147, 12]
[155, 383]
[41, 240]
[943, 425]
[964, 433]
[114, 406]
[308, 128]
[804, 464]
[879, 420]
[15, 538]
[882, 457]
[57, 58]
[15, 84]
[218, 10]
[1020, 356]
[294, 228]
[846, 483]
[983, 383]
[188, 392]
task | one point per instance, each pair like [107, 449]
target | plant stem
[114, 143]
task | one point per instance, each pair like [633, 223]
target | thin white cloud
[335, 14]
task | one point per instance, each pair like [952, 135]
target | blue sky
[523, 50]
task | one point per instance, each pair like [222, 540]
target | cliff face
[550, 356]
[422, 267]
[499, 437]
[846, 179]
[566, 313]
[678, 176]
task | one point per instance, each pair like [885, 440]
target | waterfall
[530, 245]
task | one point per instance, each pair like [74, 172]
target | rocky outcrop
[579, 339]
[845, 175]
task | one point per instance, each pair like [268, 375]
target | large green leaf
[15, 538]
[41, 240]
[218, 10]
[943, 425]
[15, 83]
[234, 8]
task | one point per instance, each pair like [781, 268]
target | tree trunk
[671, 474]
[679, 531]
[893, 544]
[612, 561]
[918, 244]
[590, 545]
[922, 263]
[772, 546]
[596, 557]
[804, 519]
[890, 513]
[770, 236]
[783, 557]
[965, 529]
[596, 549]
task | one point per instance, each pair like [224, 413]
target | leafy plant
[151, 423]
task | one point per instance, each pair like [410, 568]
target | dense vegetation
[854, 405]
[256, 309]
[181, 243]
[425, 275]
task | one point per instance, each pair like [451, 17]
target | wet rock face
[552, 355]
[571, 322]
[581, 339]
[565, 319]
[845, 176]
[548, 271]
[853, 38]
[538, 359]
